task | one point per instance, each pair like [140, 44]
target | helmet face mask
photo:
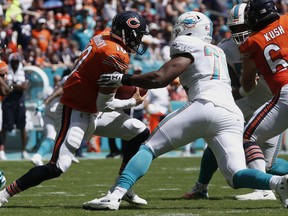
[193, 24]
[130, 27]
[236, 22]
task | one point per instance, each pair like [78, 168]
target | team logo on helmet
[190, 21]
[133, 22]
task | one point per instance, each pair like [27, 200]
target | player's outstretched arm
[155, 79]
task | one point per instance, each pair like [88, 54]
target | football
[126, 92]
[2, 179]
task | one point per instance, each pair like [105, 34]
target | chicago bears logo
[133, 22]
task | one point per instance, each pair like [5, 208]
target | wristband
[242, 92]
[126, 79]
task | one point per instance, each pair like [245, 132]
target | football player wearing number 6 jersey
[210, 113]
[84, 106]
[266, 50]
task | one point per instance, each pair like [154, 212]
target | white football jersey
[207, 78]
[259, 95]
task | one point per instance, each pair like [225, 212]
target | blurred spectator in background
[176, 91]
[83, 34]
[4, 90]
[42, 35]
[157, 106]
[114, 151]
[23, 30]
[282, 6]
[13, 106]
[13, 11]
[110, 10]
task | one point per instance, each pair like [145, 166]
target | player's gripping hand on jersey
[111, 80]
[114, 80]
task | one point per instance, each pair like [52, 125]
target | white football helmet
[195, 24]
[239, 30]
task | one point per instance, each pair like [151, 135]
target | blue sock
[280, 167]
[46, 146]
[208, 166]
[251, 178]
[136, 167]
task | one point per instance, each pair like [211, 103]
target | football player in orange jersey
[266, 49]
[84, 105]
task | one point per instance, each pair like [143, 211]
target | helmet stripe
[236, 12]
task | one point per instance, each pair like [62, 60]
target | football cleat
[107, 202]
[282, 190]
[3, 200]
[133, 198]
[199, 191]
[257, 195]
[2, 155]
[37, 160]
[25, 155]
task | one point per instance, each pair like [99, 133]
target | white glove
[110, 80]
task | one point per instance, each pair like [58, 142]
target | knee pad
[64, 160]
[252, 152]
[74, 137]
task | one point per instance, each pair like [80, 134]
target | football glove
[110, 80]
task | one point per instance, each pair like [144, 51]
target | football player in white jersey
[210, 113]
[248, 104]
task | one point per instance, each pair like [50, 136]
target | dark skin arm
[4, 88]
[249, 75]
[165, 75]
[22, 87]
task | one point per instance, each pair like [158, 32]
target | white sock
[119, 192]
[274, 181]
[258, 164]
[5, 194]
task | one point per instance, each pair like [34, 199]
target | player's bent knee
[54, 171]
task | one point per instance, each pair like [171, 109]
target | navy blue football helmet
[260, 13]
[130, 26]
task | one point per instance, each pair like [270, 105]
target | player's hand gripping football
[110, 80]
[137, 96]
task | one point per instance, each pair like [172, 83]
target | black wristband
[126, 79]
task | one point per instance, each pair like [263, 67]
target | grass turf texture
[166, 180]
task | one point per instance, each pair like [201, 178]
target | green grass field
[166, 180]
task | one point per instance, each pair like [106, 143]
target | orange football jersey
[101, 55]
[269, 49]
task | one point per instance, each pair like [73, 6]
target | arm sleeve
[108, 103]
